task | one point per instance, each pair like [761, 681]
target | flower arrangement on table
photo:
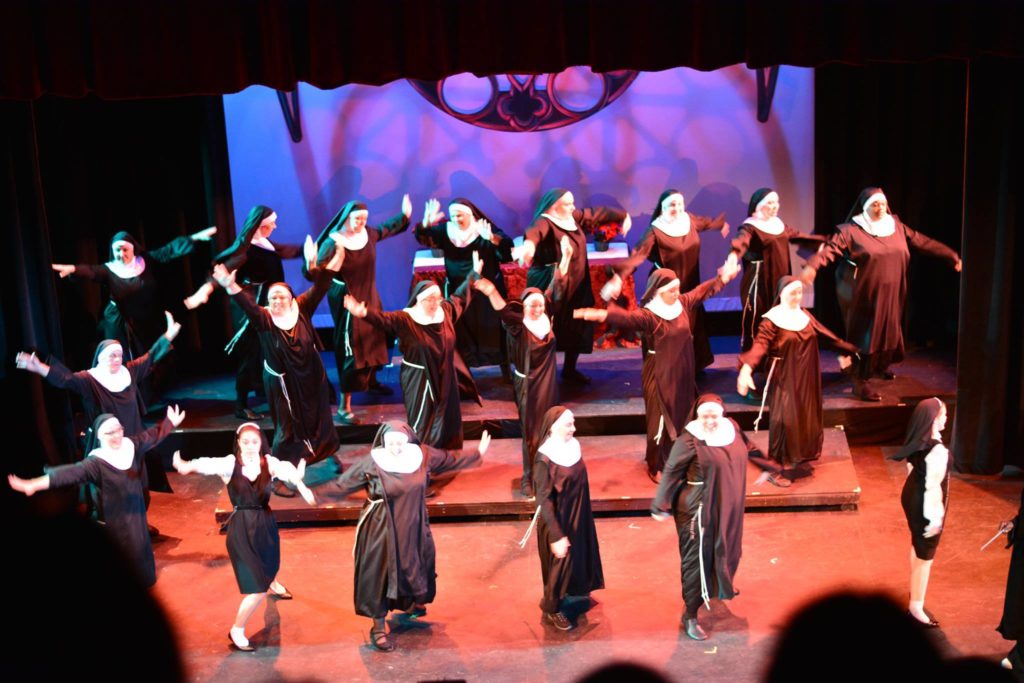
[605, 233]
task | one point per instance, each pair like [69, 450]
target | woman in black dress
[253, 542]
[429, 377]
[132, 316]
[671, 241]
[763, 244]
[468, 231]
[555, 217]
[668, 372]
[531, 344]
[789, 335]
[293, 374]
[873, 251]
[704, 486]
[570, 558]
[359, 348]
[258, 263]
[115, 468]
[924, 496]
[394, 549]
[112, 386]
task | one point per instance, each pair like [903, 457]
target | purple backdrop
[680, 128]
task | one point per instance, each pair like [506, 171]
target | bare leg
[919, 573]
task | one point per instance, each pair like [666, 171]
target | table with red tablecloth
[427, 266]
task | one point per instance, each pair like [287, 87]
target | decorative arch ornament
[529, 103]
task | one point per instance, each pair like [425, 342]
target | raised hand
[201, 296]
[63, 270]
[484, 286]
[205, 234]
[486, 231]
[525, 253]
[309, 252]
[406, 205]
[432, 214]
[356, 308]
[612, 289]
[725, 229]
[173, 328]
[485, 443]
[478, 264]
[627, 223]
[175, 415]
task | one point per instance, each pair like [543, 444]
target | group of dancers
[696, 454]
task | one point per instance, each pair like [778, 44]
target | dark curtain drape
[989, 426]
[901, 127]
[119, 49]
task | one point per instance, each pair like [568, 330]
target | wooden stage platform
[610, 424]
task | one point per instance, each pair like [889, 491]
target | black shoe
[378, 389]
[247, 414]
[558, 620]
[526, 489]
[280, 596]
[282, 489]
[887, 374]
[381, 641]
[575, 377]
[693, 629]
[153, 531]
[931, 623]
[654, 476]
[416, 611]
[865, 393]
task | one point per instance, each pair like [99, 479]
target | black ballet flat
[240, 648]
[416, 611]
[280, 596]
[931, 623]
[575, 377]
[693, 629]
[526, 489]
[866, 393]
[888, 375]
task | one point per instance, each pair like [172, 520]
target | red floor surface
[485, 624]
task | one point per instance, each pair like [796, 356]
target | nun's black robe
[257, 268]
[429, 378]
[871, 286]
[795, 432]
[294, 377]
[563, 494]
[126, 405]
[134, 314]
[573, 336]
[668, 372]
[1012, 624]
[358, 346]
[704, 487]
[477, 333]
[534, 373]
[681, 255]
[122, 496]
[766, 260]
[394, 548]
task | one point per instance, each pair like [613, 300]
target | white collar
[680, 227]
[287, 321]
[459, 237]
[263, 243]
[566, 453]
[115, 382]
[787, 318]
[723, 436]
[568, 224]
[419, 316]
[353, 242]
[121, 458]
[409, 461]
[772, 226]
[881, 228]
[539, 327]
[663, 310]
[125, 271]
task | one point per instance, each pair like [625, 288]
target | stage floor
[485, 624]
